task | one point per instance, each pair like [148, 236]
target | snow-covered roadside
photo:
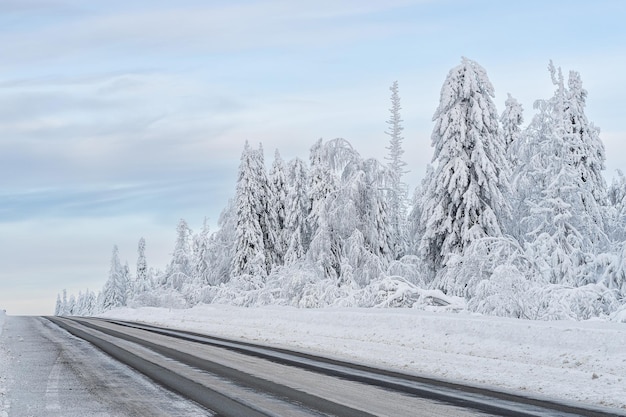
[4, 406]
[579, 361]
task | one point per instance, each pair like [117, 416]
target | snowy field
[575, 361]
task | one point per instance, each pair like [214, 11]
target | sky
[119, 118]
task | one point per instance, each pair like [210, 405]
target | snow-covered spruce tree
[88, 303]
[586, 147]
[414, 219]
[71, 307]
[201, 257]
[64, 304]
[398, 189]
[323, 249]
[297, 210]
[322, 183]
[249, 257]
[464, 200]
[277, 200]
[556, 180]
[221, 246]
[179, 271]
[616, 194]
[366, 186]
[511, 121]
[114, 293]
[58, 306]
[143, 281]
[353, 241]
[267, 216]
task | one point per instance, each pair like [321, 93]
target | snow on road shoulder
[4, 405]
[3, 315]
[577, 361]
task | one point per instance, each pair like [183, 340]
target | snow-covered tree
[415, 227]
[142, 280]
[64, 304]
[616, 210]
[464, 201]
[511, 121]
[297, 206]
[561, 197]
[586, 150]
[114, 293]
[179, 270]
[251, 208]
[71, 306]
[322, 183]
[277, 201]
[221, 246]
[201, 256]
[58, 306]
[397, 189]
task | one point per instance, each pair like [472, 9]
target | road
[48, 373]
[229, 378]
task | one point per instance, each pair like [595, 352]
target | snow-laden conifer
[58, 306]
[322, 183]
[249, 257]
[142, 280]
[296, 213]
[465, 197]
[397, 189]
[277, 201]
[179, 270]
[511, 121]
[222, 245]
[201, 258]
[561, 208]
[114, 292]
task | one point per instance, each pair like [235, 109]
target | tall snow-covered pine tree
[465, 197]
[397, 166]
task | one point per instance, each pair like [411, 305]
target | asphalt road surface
[66, 376]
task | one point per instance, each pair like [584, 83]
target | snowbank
[580, 361]
[4, 405]
[2, 317]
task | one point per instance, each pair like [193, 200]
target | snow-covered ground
[578, 361]
[3, 375]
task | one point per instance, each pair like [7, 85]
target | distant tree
[415, 227]
[88, 303]
[221, 246]
[64, 304]
[465, 198]
[114, 293]
[616, 195]
[71, 307]
[142, 281]
[58, 306]
[397, 166]
[201, 261]
[179, 270]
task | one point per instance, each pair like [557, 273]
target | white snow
[4, 404]
[576, 361]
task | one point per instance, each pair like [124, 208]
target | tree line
[509, 220]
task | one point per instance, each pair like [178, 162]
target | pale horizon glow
[118, 119]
